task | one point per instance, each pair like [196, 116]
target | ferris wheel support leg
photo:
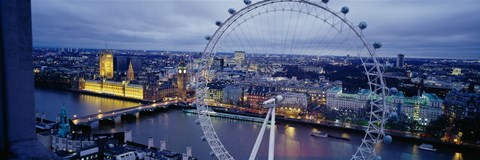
[271, 145]
[260, 136]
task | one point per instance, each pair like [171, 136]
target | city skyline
[182, 25]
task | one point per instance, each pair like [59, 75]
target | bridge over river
[111, 115]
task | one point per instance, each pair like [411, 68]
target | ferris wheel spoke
[301, 34]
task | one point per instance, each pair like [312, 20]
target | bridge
[111, 115]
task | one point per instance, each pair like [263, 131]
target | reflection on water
[178, 129]
[105, 104]
[51, 101]
[458, 156]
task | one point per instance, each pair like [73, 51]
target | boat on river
[427, 147]
[319, 134]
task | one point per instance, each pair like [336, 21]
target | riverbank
[354, 129]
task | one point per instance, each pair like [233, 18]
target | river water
[292, 141]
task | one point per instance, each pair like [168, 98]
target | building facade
[422, 109]
[114, 88]
[461, 104]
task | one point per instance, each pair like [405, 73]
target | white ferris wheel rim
[378, 108]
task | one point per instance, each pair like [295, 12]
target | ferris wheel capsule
[377, 45]
[362, 25]
[231, 11]
[325, 1]
[345, 10]
[387, 139]
[218, 23]
[208, 38]
[247, 2]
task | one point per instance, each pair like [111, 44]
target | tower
[64, 124]
[181, 80]
[106, 64]
[400, 61]
[130, 74]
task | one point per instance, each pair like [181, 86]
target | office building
[400, 61]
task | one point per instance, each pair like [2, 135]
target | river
[293, 141]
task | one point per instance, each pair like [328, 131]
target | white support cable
[253, 155]
[271, 145]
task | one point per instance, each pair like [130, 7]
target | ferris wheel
[293, 27]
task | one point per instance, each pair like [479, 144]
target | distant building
[239, 58]
[106, 64]
[232, 94]
[400, 61]
[457, 71]
[218, 64]
[182, 80]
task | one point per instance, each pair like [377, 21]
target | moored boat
[427, 147]
[319, 134]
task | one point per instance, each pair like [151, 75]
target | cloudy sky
[425, 28]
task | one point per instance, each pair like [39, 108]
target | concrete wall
[18, 74]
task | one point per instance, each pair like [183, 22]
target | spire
[130, 74]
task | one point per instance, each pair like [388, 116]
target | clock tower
[182, 81]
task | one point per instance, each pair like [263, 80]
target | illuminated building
[337, 100]
[106, 64]
[457, 71]
[423, 109]
[182, 80]
[257, 94]
[293, 103]
[215, 92]
[239, 58]
[113, 88]
[130, 74]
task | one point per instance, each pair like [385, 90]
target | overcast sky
[416, 28]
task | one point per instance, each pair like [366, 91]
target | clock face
[184, 71]
[179, 71]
